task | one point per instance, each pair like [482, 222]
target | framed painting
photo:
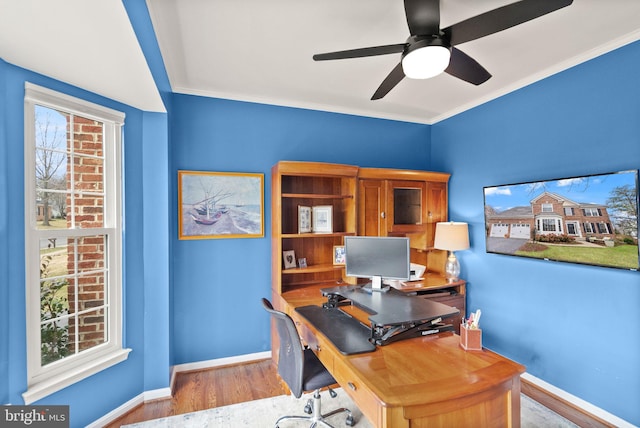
[220, 205]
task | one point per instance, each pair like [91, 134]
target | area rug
[264, 413]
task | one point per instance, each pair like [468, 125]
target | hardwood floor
[221, 386]
[216, 387]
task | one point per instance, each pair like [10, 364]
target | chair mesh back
[291, 357]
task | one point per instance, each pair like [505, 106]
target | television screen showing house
[590, 220]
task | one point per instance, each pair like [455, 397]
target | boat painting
[207, 221]
[220, 205]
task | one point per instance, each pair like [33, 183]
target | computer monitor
[377, 258]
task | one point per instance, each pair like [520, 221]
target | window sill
[54, 384]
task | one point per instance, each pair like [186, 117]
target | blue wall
[146, 242]
[4, 240]
[153, 171]
[573, 326]
[217, 284]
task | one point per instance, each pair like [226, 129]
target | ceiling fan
[430, 50]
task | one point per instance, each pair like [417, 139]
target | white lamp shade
[425, 62]
[451, 236]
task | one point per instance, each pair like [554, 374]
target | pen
[476, 319]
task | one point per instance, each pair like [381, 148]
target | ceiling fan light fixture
[426, 59]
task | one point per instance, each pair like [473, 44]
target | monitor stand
[376, 286]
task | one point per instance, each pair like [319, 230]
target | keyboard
[346, 333]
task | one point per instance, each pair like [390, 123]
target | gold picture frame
[220, 205]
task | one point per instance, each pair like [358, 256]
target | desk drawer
[317, 344]
[363, 397]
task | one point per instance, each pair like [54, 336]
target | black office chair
[302, 371]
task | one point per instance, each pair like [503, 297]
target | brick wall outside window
[86, 291]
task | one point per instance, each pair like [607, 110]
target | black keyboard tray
[346, 333]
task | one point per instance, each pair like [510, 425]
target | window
[547, 208]
[568, 211]
[591, 212]
[73, 240]
[548, 225]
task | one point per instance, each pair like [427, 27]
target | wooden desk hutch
[366, 202]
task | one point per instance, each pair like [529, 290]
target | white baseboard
[139, 399]
[161, 393]
[156, 394]
[578, 402]
[200, 365]
[116, 413]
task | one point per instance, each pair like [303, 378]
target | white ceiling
[261, 51]
[89, 44]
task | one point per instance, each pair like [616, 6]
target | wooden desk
[427, 381]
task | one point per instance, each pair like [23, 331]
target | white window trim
[540, 225]
[43, 381]
[591, 212]
[606, 228]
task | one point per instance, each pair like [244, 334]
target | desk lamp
[452, 236]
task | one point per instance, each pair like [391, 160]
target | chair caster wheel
[307, 409]
[350, 421]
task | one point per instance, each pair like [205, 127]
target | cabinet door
[436, 208]
[406, 202]
[372, 208]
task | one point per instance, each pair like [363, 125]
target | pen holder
[470, 338]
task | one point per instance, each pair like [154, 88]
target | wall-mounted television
[377, 258]
[591, 219]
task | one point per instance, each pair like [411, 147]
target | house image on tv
[550, 213]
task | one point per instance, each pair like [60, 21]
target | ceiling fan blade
[389, 82]
[466, 68]
[362, 52]
[500, 19]
[423, 17]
